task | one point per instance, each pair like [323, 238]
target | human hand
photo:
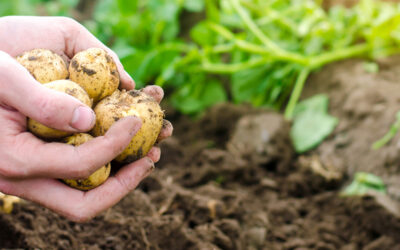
[29, 166]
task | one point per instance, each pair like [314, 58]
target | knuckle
[71, 26]
[79, 214]
[68, 21]
[47, 109]
[80, 172]
[80, 218]
[112, 145]
[126, 183]
[83, 164]
[5, 64]
[10, 172]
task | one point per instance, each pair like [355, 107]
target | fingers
[155, 91]
[166, 130]
[49, 107]
[79, 38]
[62, 35]
[78, 205]
[154, 154]
[30, 157]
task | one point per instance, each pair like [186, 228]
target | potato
[70, 88]
[44, 65]
[95, 179]
[7, 202]
[96, 72]
[134, 102]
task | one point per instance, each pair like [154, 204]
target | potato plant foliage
[254, 51]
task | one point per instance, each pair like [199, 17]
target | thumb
[49, 107]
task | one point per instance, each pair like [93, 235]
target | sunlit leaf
[311, 124]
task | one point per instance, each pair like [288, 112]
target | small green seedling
[389, 135]
[371, 67]
[363, 183]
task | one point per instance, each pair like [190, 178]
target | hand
[29, 166]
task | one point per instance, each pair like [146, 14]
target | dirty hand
[30, 167]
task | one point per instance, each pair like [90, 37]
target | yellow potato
[7, 202]
[70, 88]
[96, 72]
[95, 179]
[134, 102]
[44, 65]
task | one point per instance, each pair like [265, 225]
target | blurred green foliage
[208, 51]
[363, 183]
[36, 7]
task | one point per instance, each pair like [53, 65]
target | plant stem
[222, 48]
[298, 88]
[269, 15]
[222, 68]
[257, 49]
[292, 57]
[253, 27]
[389, 135]
[221, 30]
[339, 54]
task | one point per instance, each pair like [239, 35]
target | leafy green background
[207, 51]
[203, 52]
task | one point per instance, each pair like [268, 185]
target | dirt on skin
[231, 180]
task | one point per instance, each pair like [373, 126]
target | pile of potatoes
[93, 79]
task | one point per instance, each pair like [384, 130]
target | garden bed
[231, 180]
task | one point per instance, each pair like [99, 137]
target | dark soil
[231, 180]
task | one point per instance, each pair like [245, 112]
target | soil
[231, 180]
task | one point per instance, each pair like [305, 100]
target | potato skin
[44, 65]
[126, 103]
[95, 179]
[70, 88]
[95, 71]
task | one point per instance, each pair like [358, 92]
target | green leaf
[371, 67]
[364, 182]
[312, 123]
[245, 83]
[199, 95]
[194, 5]
[202, 35]
[186, 101]
[123, 48]
[128, 7]
[310, 129]
[165, 10]
[316, 104]
[213, 93]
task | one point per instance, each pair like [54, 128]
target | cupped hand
[30, 167]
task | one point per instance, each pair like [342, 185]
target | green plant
[363, 183]
[36, 7]
[268, 48]
[311, 123]
[389, 135]
[254, 51]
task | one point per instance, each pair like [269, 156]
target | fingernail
[152, 166]
[83, 118]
